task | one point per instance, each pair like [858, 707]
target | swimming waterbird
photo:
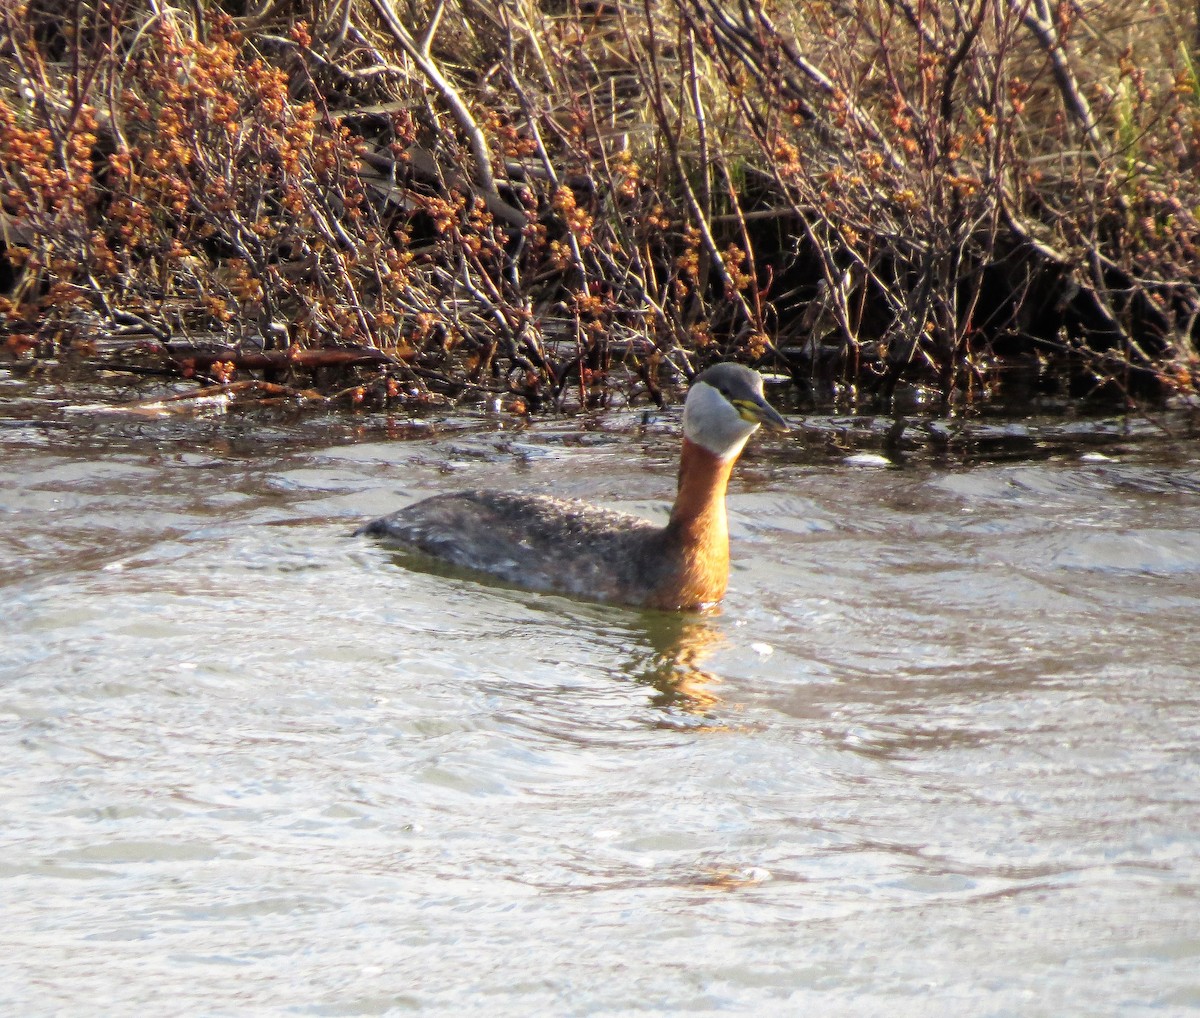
[544, 543]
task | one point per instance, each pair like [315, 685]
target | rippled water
[939, 753]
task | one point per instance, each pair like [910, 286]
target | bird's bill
[761, 412]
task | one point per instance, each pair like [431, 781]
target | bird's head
[725, 406]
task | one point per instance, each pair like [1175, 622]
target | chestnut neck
[699, 510]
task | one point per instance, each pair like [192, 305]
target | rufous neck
[700, 500]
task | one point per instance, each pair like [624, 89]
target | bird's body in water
[551, 544]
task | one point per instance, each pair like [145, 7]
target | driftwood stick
[202, 358]
[236, 388]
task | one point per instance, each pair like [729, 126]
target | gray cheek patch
[713, 423]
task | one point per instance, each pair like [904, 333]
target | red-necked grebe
[544, 543]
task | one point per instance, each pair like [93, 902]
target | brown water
[939, 753]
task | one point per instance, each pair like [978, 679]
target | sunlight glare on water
[939, 752]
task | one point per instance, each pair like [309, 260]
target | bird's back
[540, 542]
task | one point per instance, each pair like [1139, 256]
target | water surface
[939, 752]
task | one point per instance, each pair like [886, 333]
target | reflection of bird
[553, 544]
[674, 649]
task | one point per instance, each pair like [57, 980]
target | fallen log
[191, 359]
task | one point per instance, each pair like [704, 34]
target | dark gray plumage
[536, 541]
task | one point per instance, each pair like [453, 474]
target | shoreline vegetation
[546, 201]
